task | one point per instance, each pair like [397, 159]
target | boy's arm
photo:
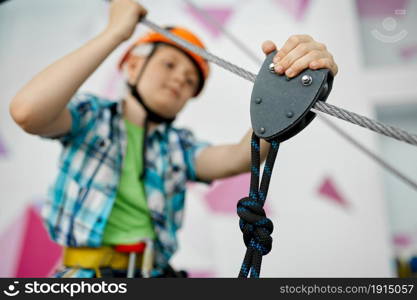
[297, 54]
[40, 106]
[217, 162]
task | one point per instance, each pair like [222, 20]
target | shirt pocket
[97, 147]
[103, 165]
[175, 178]
[83, 162]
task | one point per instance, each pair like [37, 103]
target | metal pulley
[280, 107]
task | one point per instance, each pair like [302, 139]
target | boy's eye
[169, 64]
[191, 82]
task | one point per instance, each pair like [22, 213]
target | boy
[124, 165]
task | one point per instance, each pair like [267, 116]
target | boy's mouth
[174, 91]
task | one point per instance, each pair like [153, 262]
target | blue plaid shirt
[81, 198]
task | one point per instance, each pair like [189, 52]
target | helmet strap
[151, 114]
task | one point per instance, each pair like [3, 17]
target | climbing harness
[104, 260]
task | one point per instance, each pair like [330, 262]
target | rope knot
[255, 226]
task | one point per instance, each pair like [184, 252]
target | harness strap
[94, 258]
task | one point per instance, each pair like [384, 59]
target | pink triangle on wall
[201, 274]
[219, 14]
[329, 190]
[224, 195]
[39, 254]
[402, 240]
[3, 150]
[11, 242]
[408, 52]
[296, 8]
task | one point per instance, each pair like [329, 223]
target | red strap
[138, 248]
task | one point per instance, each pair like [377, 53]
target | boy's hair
[154, 39]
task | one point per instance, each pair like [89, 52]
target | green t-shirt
[129, 220]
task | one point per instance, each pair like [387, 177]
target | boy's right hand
[124, 16]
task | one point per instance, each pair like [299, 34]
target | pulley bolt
[306, 80]
[258, 100]
[262, 130]
[290, 114]
[272, 67]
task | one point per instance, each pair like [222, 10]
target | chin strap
[151, 115]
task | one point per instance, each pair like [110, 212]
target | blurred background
[336, 212]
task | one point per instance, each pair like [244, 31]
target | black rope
[254, 224]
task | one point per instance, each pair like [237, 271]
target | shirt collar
[161, 129]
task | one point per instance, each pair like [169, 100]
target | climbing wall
[326, 198]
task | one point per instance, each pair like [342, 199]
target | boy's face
[169, 80]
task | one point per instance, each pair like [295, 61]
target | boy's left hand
[300, 52]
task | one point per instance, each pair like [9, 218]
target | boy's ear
[132, 66]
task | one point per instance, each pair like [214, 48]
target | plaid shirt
[81, 199]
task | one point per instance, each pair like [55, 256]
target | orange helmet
[155, 37]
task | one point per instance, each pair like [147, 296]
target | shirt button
[176, 168]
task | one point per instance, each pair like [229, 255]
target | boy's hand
[124, 16]
[299, 53]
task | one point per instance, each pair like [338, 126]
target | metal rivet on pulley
[272, 67]
[262, 130]
[306, 80]
[290, 114]
[258, 100]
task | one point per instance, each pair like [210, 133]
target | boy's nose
[179, 77]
